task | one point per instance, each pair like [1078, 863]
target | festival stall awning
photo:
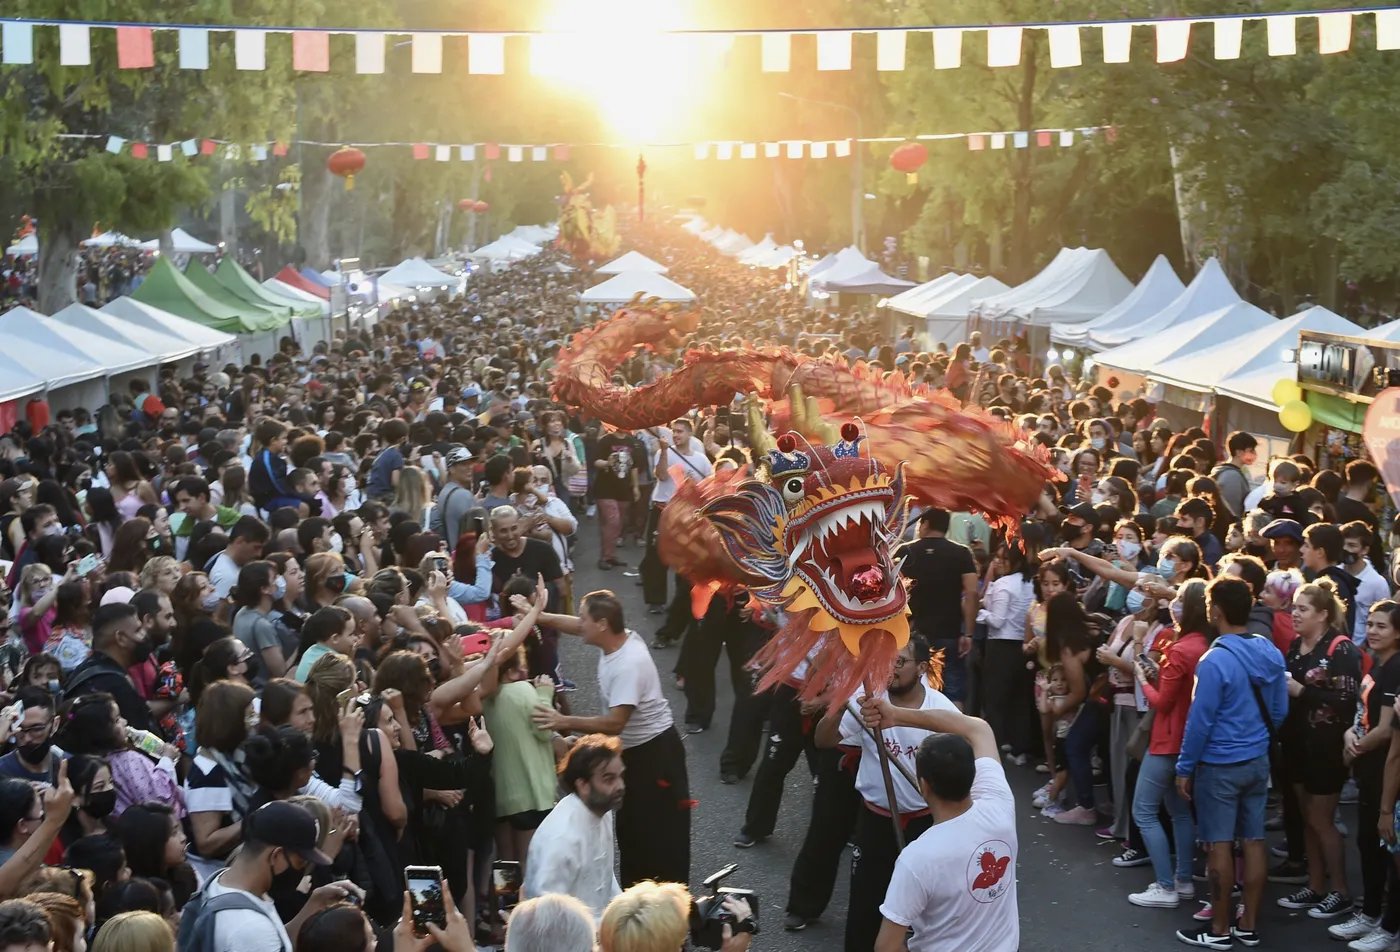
[1184, 341]
[296, 279]
[140, 314]
[913, 301]
[847, 257]
[1089, 290]
[255, 317]
[232, 276]
[632, 261]
[166, 288]
[417, 273]
[870, 281]
[26, 247]
[945, 317]
[1158, 288]
[764, 246]
[110, 239]
[534, 234]
[504, 249]
[777, 258]
[159, 346]
[996, 306]
[297, 294]
[732, 243]
[16, 379]
[1263, 365]
[1386, 332]
[326, 279]
[1208, 291]
[32, 340]
[621, 288]
[181, 243]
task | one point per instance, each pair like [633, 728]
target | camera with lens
[708, 915]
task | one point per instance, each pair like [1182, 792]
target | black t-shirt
[1378, 690]
[1331, 677]
[615, 482]
[101, 673]
[936, 568]
[538, 558]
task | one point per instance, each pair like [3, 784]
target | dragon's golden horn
[759, 438]
[798, 408]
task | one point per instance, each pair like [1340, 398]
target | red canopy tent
[290, 275]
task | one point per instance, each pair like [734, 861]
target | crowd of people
[276, 633]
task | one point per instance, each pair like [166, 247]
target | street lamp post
[857, 167]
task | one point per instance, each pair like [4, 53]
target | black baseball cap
[290, 826]
[1085, 512]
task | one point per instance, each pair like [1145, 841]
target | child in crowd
[1049, 688]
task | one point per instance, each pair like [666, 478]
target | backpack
[197, 919]
[1366, 659]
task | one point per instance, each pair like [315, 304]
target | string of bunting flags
[942, 45]
[724, 149]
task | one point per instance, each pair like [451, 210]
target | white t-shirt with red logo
[955, 886]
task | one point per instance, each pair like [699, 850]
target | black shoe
[655, 609]
[1249, 937]
[1206, 939]
[792, 922]
[1303, 898]
[1294, 872]
[728, 779]
[744, 841]
[616, 563]
[605, 565]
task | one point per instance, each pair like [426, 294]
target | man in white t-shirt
[653, 825]
[874, 848]
[954, 887]
[675, 449]
[279, 839]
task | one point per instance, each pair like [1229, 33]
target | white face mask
[1129, 549]
[1098, 498]
[337, 543]
[1098, 442]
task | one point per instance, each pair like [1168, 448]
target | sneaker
[1186, 890]
[1303, 898]
[1130, 858]
[1051, 810]
[1205, 913]
[566, 685]
[1292, 872]
[1018, 760]
[1105, 833]
[631, 573]
[1274, 823]
[1042, 768]
[693, 728]
[1249, 937]
[1279, 852]
[1155, 896]
[1078, 816]
[1042, 790]
[1205, 939]
[1334, 904]
[1348, 794]
[605, 565]
[1005, 748]
[744, 841]
[1358, 926]
[728, 778]
[1377, 941]
[591, 511]
[792, 922]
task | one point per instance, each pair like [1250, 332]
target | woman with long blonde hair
[412, 494]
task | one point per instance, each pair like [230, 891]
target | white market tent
[712, 234]
[1253, 380]
[110, 239]
[870, 281]
[913, 302]
[845, 257]
[946, 317]
[181, 243]
[696, 225]
[732, 243]
[847, 265]
[223, 347]
[534, 234]
[26, 247]
[1208, 291]
[164, 346]
[621, 288]
[18, 381]
[777, 258]
[75, 365]
[1158, 288]
[750, 255]
[505, 249]
[1089, 290]
[632, 261]
[1385, 332]
[417, 273]
[287, 290]
[996, 306]
[1184, 341]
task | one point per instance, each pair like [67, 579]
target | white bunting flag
[1387, 30]
[889, 50]
[748, 150]
[1283, 35]
[1173, 40]
[427, 53]
[794, 150]
[819, 150]
[1066, 137]
[250, 50]
[702, 151]
[947, 49]
[18, 40]
[114, 144]
[998, 140]
[834, 50]
[777, 52]
[259, 153]
[164, 153]
[466, 153]
[1064, 47]
[515, 153]
[74, 45]
[1117, 42]
[486, 53]
[1003, 46]
[1334, 32]
[232, 151]
[724, 151]
[189, 148]
[1020, 140]
[843, 148]
[1228, 36]
[369, 53]
[771, 150]
[442, 153]
[539, 153]
[194, 48]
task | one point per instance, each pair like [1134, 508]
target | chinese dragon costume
[810, 528]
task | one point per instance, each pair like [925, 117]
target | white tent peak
[1158, 287]
[621, 288]
[632, 261]
[161, 346]
[417, 273]
[1186, 339]
[181, 243]
[1208, 291]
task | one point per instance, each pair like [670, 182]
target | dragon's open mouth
[841, 550]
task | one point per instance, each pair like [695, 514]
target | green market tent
[232, 276]
[256, 317]
[167, 289]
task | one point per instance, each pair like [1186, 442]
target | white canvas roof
[732, 243]
[1208, 291]
[955, 299]
[162, 346]
[777, 258]
[998, 304]
[17, 380]
[205, 338]
[696, 225]
[534, 234]
[632, 261]
[417, 273]
[25, 247]
[505, 249]
[749, 255]
[288, 290]
[1092, 288]
[32, 340]
[1185, 340]
[845, 256]
[621, 288]
[870, 281]
[182, 243]
[912, 301]
[1387, 332]
[843, 269]
[1158, 287]
[1253, 380]
[110, 239]
[712, 234]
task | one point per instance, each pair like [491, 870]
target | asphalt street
[1071, 896]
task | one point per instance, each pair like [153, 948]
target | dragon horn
[797, 408]
[759, 438]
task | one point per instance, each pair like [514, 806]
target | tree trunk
[1023, 195]
[313, 219]
[58, 261]
[228, 218]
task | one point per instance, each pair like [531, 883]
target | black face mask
[336, 583]
[1350, 558]
[288, 880]
[35, 753]
[1069, 531]
[253, 667]
[100, 804]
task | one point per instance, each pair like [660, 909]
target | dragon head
[818, 526]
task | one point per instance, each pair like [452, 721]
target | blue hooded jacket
[1224, 726]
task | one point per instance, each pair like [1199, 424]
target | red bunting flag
[493, 151]
[1043, 139]
[139, 150]
[561, 153]
[311, 51]
[135, 49]
[279, 149]
[976, 143]
[420, 150]
[208, 147]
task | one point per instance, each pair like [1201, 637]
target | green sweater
[523, 760]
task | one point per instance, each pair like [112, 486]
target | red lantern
[908, 158]
[345, 162]
[481, 207]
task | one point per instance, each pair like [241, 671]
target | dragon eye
[794, 489]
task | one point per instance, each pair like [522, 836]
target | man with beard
[874, 849]
[158, 621]
[35, 759]
[572, 850]
[119, 643]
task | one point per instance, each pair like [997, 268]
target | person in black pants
[834, 806]
[654, 572]
[726, 625]
[789, 736]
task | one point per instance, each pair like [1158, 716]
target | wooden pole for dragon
[879, 736]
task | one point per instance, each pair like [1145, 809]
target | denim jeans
[1080, 742]
[1156, 784]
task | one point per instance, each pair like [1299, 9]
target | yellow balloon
[1296, 416]
[1287, 391]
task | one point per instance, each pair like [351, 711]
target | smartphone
[441, 563]
[87, 563]
[505, 883]
[476, 643]
[425, 895]
[342, 700]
